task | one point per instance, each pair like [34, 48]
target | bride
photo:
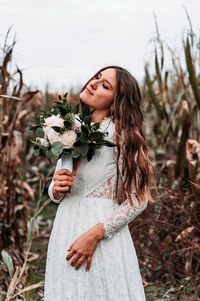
[91, 255]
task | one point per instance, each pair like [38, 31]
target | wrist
[98, 231]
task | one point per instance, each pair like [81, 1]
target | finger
[63, 178]
[66, 183]
[64, 171]
[70, 254]
[80, 262]
[72, 245]
[89, 260]
[63, 183]
[61, 189]
[75, 258]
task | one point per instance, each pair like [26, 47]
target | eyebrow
[106, 80]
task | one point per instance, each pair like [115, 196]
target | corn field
[166, 235]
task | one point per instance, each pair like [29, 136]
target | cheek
[107, 101]
[102, 104]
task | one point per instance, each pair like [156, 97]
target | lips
[88, 90]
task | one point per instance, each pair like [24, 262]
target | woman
[91, 255]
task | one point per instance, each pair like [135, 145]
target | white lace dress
[114, 272]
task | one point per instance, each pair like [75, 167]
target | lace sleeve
[58, 166]
[123, 214]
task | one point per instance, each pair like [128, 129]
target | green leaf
[33, 141]
[76, 152]
[83, 138]
[87, 120]
[59, 97]
[57, 148]
[177, 103]
[91, 112]
[85, 110]
[192, 73]
[109, 143]
[90, 153]
[75, 109]
[50, 155]
[152, 288]
[152, 94]
[84, 149]
[196, 117]
[7, 260]
[56, 129]
[96, 136]
[40, 132]
[34, 127]
[159, 77]
[84, 130]
[36, 152]
[63, 111]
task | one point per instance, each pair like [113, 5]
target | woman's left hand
[84, 246]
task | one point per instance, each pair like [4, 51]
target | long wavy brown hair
[127, 116]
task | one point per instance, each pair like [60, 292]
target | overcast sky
[63, 42]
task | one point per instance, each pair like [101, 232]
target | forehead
[110, 75]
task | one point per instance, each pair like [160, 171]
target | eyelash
[103, 84]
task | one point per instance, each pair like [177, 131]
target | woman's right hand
[63, 179]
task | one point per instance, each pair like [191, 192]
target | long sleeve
[122, 216]
[125, 213]
[58, 167]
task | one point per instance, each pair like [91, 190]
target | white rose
[54, 121]
[68, 138]
[43, 141]
[52, 135]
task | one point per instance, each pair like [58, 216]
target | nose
[93, 84]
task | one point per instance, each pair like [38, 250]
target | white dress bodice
[97, 178]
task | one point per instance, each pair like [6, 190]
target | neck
[98, 115]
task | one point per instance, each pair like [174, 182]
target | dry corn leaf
[185, 233]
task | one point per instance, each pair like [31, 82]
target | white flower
[43, 141]
[52, 135]
[68, 138]
[54, 121]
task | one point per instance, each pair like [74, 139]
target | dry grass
[166, 234]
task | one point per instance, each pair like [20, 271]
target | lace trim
[123, 214]
[106, 190]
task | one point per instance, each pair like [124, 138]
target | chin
[84, 97]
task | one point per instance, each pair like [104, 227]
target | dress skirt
[114, 273]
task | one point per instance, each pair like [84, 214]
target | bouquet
[66, 133]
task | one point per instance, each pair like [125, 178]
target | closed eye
[99, 74]
[97, 77]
